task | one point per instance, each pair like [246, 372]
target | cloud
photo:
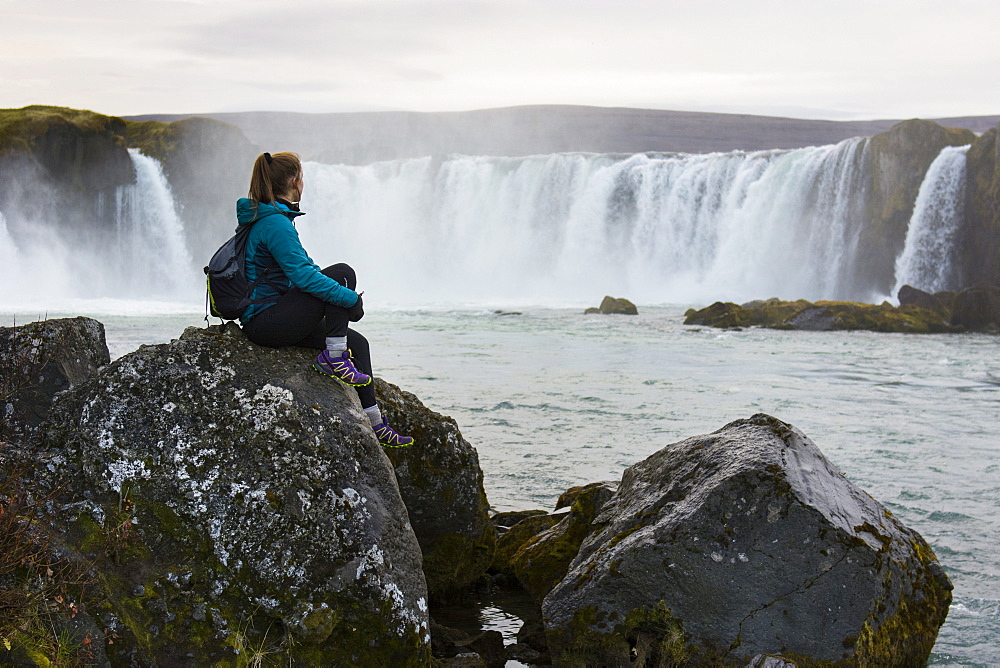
[130, 56]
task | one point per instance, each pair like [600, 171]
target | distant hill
[369, 136]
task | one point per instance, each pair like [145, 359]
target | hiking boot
[388, 437]
[340, 367]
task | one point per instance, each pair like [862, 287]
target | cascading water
[927, 260]
[573, 227]
[131, 247]
[150, 234]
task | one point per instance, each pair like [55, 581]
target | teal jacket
[274, 242]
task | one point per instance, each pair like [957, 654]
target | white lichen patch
[122, 470]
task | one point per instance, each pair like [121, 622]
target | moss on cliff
[20, 128]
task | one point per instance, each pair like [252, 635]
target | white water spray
[149, 243]
[928, 258]
[570, 228]
[133, 250]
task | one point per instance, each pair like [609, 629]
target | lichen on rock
[723, 547]
[230, 496]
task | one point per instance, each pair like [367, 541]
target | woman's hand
[357, 311]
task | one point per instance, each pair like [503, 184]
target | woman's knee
[343, 273]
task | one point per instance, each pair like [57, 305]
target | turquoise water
[552, 398]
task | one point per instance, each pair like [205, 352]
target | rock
[489, 646]
[542, 560]
[614, 306]
[442, 486]
[511, 541]
[465, 660]
[229, 497]
[979, 238]
[505, 520]
[45, 358]
[720, 314]
[911, 296]
[824, 316]
[722, 547]
[977, 308]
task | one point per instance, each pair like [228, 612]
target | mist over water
[131, 250]
[560, 229]
[569, 228]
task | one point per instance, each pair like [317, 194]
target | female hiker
[294, 303]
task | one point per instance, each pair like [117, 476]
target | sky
[847, 59]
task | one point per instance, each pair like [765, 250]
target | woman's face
[298, 183]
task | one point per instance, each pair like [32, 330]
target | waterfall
[570, 228]
[149, 243]
[127, 245]
[928, 258]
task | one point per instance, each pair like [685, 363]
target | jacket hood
[248, 211]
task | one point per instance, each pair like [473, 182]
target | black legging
[301, 319]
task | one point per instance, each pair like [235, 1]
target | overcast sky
[807, 58]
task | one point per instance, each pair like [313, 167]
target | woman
[294, 303]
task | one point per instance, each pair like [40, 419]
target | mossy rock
[739, 543]
[543, 560]
[511, 541]
[234, 502]
[441, 483]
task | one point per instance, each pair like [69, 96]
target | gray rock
[746, 541]
[41, 359]
[211, 472]
[441, 483]
[977, 308]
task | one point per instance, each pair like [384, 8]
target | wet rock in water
[822, 316]
[746, 542]
[45, 358]
[511, 541]
[543, 559]
[489, 646]
[230, 497]
[614, 306]
[770, 661]
[441, 483]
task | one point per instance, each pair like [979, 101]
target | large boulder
[233, 503]
[441, 483]
[41, 359]
[740, 543]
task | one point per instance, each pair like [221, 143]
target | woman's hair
[272, 175]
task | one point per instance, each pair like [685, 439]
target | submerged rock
[614, 306]
[442, 486]
[741, 543]
[230, 498]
